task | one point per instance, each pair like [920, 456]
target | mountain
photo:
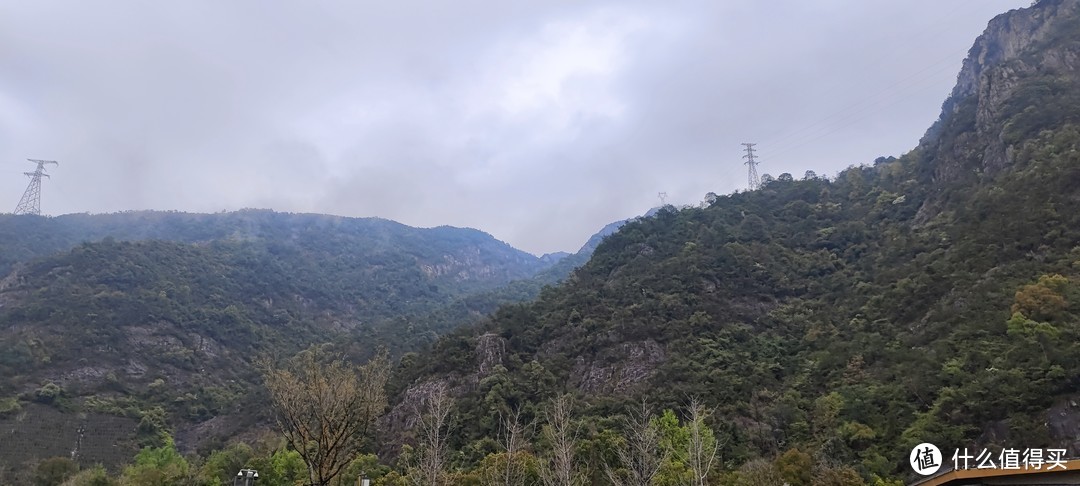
[829, 324]
[108, 319]
[931, 297]
[553, 258]
[28, 237]
[1019, 79]
[564, 267]
[161, 314]
[594, 240]
[476, 308]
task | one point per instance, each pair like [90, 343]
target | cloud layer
[538, 122]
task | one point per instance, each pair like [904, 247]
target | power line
[31, 199]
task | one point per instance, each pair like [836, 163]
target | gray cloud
[538, 122]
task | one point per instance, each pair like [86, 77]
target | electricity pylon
[31, 199]
[751, 176]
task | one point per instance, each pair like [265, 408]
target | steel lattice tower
[31, 199]
[752, 178]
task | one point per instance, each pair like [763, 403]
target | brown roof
[945, 478]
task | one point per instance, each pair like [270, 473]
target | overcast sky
[538, 122]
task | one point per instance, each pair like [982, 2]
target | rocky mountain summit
[1024, 55]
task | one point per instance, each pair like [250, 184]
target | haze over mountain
[537, 123]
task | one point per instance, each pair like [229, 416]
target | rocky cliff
[990, 110]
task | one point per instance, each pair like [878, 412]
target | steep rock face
[486, 361]
[976, 131]
[1008, 37]
[634, 363]
[400, 421]
[490, 349]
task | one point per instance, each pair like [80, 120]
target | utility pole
[31, 199]
[751, 176]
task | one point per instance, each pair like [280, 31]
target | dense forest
[157, 317]
[925, 298]
[809, 332]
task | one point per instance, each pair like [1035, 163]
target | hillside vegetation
[926, 298]
[810, 332]
[164, 316]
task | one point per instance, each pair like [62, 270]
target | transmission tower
[31, 199]
[751, 173]
[663, 198]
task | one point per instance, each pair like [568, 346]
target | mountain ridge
[853, 317]
[125, 313]
[162, 314]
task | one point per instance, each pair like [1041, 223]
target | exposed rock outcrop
[1016, 46]
[636, 363]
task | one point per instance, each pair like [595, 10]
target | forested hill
[363, 270]
[25, 237]
[125, 314]
[927, 298]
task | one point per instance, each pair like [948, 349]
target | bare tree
[559, 468]
[431, 422]
[703, 447]
[514, 443]
[640, 455]
[326, 409]
[759, 472]
[510, 469]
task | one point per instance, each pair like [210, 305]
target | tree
[222, 465]
[559, 468]
[365, 465]
[48, 393]
[795, 467]
[703, 447]
[94, 476]
[759, 472]
[431, 420]
[674, 439]
[326, 409]
[162, 466]
[54, 471]
[1042, 301]
[826, 475]
[153, 430]
[511, 468]
[640, 454]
